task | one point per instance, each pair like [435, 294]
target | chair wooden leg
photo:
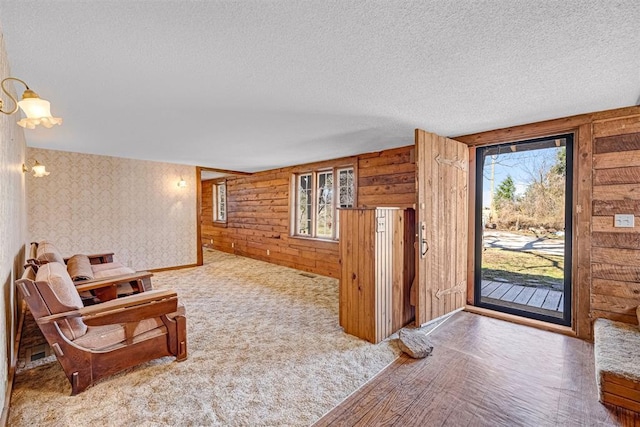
[181, 326]
[79, 382]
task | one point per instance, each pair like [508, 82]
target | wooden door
[442, 168]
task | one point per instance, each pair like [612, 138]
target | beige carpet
[265, 349]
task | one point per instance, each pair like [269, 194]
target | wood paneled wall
[258, 210]
[615, 253]
[606, 260]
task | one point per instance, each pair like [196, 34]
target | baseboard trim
[538, 324]
[4, 418]
[177, 267]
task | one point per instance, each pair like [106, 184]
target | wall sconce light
[39, 170]
[37, 110]
[182, 183]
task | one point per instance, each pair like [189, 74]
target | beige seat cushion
[103, 274]
[112, 336]
[59, 281]
[116, 270]
[108, 336]
[79, 268]
[97, 268]
[48, 252]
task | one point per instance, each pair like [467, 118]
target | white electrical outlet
[623, 220]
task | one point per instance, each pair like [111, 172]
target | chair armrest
[97, 258]
[33, 251]
[122, 310]
[87, 285]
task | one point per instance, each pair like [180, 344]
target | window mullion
[335, 200]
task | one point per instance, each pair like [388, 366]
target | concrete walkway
[519, 242]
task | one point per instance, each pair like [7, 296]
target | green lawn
[523, 268]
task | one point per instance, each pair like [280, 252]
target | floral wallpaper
[134, 208]
[12, 224]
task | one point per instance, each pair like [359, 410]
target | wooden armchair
[100, 340]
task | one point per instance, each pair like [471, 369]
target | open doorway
[523, 228]
[213, 208]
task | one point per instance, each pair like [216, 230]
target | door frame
[581, 128]
[477, 248]
[222, 174]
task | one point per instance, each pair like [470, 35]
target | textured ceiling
[252, 85]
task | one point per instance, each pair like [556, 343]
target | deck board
[525, 295]
[552, 300]
[512, 293]
[537, 299]
[489, 287]
[500, 291]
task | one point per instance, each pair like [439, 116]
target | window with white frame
[318, 195]
[220, 201]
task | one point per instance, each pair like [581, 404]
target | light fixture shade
[38, 112]
[182, 183]
[39, 170]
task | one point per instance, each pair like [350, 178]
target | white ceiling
[253, 85]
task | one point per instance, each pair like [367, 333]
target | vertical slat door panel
[374, 289]
[441, 182]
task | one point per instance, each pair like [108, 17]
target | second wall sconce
[39, 170]
[182, 183]
[37, 110]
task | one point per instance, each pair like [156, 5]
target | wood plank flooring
[485, 372]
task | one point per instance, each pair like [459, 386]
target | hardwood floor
[485, 372]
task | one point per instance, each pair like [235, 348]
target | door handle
[424, 246]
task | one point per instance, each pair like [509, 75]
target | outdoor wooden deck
[540, 300]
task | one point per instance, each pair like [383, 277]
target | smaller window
[220, 202]
[303, 212]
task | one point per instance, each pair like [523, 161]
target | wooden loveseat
[97, 277]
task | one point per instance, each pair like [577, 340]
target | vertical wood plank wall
[606, 260]
[374, 293]
[258, 210]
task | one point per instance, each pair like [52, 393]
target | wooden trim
[325, 164]
[544, 128]
[582, 179]
[176, 267]
[538, 324]
[214, 202]
[525, 132]
[227, 171]
[617, 113]
[199, 257]
[582, 216]
[471, 241]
